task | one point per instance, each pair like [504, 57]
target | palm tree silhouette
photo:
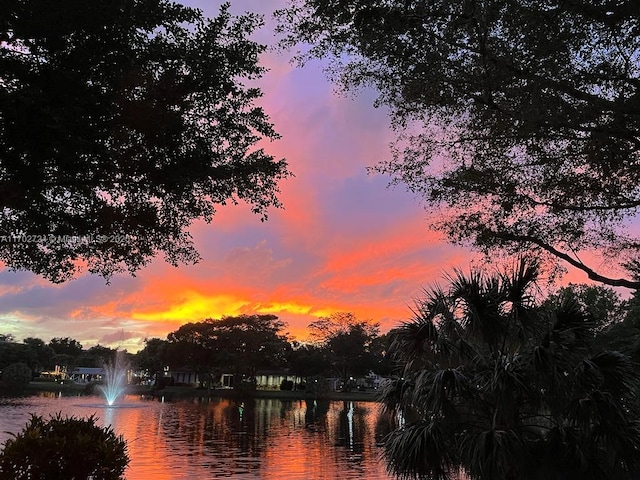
[496, 386]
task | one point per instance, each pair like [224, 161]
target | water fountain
[114, 380]
[114, 384]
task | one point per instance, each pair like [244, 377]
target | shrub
[16, 375]
[46, 379]
[286, 385]
[63, 449]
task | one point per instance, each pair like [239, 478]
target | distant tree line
[38, 356]
[340, 346]
[343, 346]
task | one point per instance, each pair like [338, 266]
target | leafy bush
[16, 375]
[162, 382]
[63, 449]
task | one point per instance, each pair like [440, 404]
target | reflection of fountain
[114, 379]
[350, 423]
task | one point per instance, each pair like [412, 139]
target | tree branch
[592, 274]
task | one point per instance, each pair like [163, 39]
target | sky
[344, 241]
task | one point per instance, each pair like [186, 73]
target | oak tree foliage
[121, 123]
[232, 344]
[348, 343]
[518, 121]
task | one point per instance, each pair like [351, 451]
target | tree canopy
[518, 121]
[122, 122]
[347, 342]
[239, 344]
[502, 388]
[66, 346]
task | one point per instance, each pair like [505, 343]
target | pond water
[227, 438]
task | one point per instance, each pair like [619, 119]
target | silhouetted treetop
[122, 122]
[518, 121]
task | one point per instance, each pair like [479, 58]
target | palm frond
[413, 338]
[494, 454]
[504, 389]
[618, 373]
[437, 391]
[395, 395]
[420, 450]
[519, 282]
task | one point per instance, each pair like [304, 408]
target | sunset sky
[343, 243]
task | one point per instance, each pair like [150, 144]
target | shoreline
[171, 392]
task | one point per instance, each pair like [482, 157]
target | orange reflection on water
[141, 428]
[240, 439]
[257, 438]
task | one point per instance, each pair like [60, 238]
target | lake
[228, 438]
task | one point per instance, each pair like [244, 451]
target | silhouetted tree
[239, 345]
[66, 346]
[518, 121]
[43, 353]
[504, 389]
[249, 342]
[153, 357]
[11, 352]
[603, 304]
[348, 342]
[384, 364]
[17, 375]
[309, 360]
[624, 336]
[194, 346]
[122, 122]
[96, 356]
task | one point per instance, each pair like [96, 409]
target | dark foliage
[64, 449]
[518, 120]
[240, 345]
[503, 389]
[122, 122]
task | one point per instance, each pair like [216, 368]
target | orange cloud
[192, 306]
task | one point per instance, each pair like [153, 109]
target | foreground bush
[64, 449]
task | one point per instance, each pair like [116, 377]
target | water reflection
[268, 437]
[216, 438]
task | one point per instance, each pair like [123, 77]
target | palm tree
[497, 387]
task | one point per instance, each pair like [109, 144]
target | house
[272, 379]
[264, 379]
[183, 376]
[87, 374]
